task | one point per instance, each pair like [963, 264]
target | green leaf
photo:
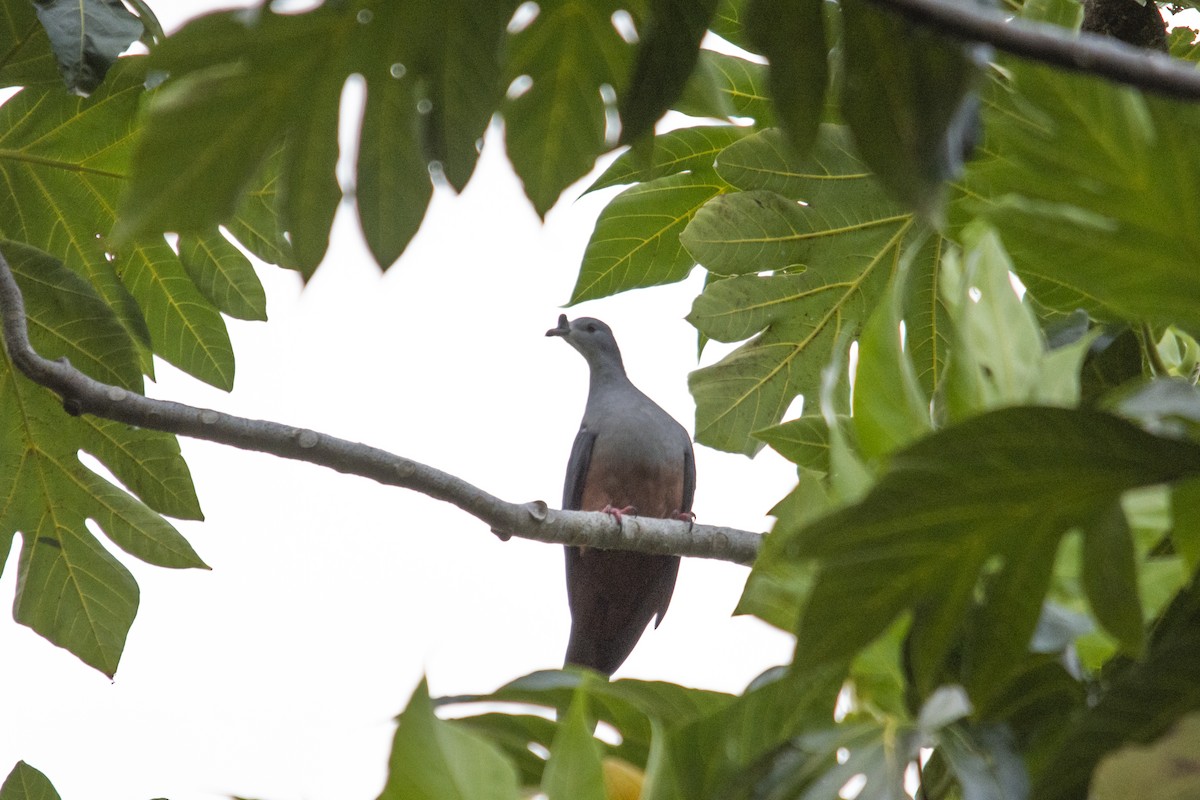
[956, 499]
[926, 318]
[568, 52]
[908, 95]
[224, 276]
[849, 253]
[821, 760]
[988, 371]
[256, 223]
[683, 150]
[778, 584]
[199, 149]
[26, 58]
[729, 23]
[453, 50]
[70, 589]
[573, 771]
[393, 184]
[805, 440]
[147, 462]
[1143, 700]
[791, 34]
[62, 162]
[667, 51]
[27, 783]
[890, 409]
[185, 329]
[720, 753]
[66, 318]
[985, 762]
[1110, 577]
[309, 192]
[1185, 513]
[87, 36]
[726, 87]
[638, 710]
[998, 633]
[513, 733]
[1100, 217]
[829, 174]
[435, 760]
[636, 242]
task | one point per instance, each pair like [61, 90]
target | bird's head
[591, 337]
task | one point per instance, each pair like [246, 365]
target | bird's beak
[564, 327]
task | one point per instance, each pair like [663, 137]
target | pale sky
[277, 674]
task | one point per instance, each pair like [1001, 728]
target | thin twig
[1084, 52]
[534, 520]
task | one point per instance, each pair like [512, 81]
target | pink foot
[619, 513]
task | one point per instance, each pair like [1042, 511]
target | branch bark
[1087, 52]
[534, 520]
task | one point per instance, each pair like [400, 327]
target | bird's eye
[591, 328]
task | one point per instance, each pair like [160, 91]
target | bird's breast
[631, 471]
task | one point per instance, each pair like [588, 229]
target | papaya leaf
[791, 34]
[953, 501]
[70, 589]
[909, 96]
[566, 54]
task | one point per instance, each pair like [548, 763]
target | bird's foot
[619, 513]
[685, 516]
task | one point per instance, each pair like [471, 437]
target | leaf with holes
[567, 54]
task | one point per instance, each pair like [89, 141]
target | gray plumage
[629, 453]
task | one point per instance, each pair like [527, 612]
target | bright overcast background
[276, 675]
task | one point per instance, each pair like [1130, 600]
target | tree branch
[534, 520]
[1086, 52]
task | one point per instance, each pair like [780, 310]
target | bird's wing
[577, 469]
[689, 478]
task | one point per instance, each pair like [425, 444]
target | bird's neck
[606, 376]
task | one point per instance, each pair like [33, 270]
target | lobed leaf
[1098, 217]
[70, 589]
[956, 499]
[567, 54]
